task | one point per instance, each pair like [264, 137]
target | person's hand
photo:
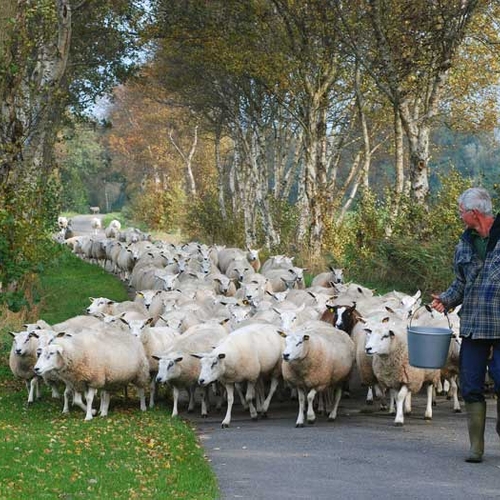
[437, 304]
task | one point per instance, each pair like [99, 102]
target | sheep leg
[90, 399]
[33, 390]
[152, 392]
[78, 401]
[230, 401]
[175, 391]
[400, 399]
[439, 388]
[321, 408]
[454, 394]
[191, 392]
[249, 397]
[338, 394]
[311, 416]
[369, 396]
[67, 392]
[204, 402]
[407, 405]
[105, 399]
[54, 391]
[302, 404]
[392, 402]
[142, 398]
[272, 390]
[380, 394]
[260, 390]
[241, 396]
[428, 407]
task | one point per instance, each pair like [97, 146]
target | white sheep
[155, 340]
[96, 224]
[317, 357]
[96, 360]
[103, 305]
[387, 343]
[332, 277]
[181, 370]
[113, 229]
[62, 222]
[22, 359]
[246, 355]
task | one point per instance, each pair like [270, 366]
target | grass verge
[129, 454]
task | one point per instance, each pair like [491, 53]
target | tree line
[278, 114]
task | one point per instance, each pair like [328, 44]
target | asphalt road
[361, 455]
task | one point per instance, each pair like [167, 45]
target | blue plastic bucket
[428, 345]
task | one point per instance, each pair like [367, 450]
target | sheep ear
[221, 355]
[386, 320]
[12, 333]
[33, 334]
[224, 321]
[60, 334]
[305, 337]
[149, 321]
[282, 333]
[180, 358]
[388, 309]
[197, 356]
[154, 356]
[367, 330]
[140, 294]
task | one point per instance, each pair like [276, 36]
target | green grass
[129, 454]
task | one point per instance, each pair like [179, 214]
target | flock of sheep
[212, 320]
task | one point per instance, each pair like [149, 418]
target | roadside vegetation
[129, 454]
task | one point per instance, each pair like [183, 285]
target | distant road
[82, 224]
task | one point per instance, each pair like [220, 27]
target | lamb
[180, 369]
[96, 360]
[317, 358]
[387, 343]
[247, 354]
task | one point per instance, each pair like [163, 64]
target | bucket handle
[427, 306]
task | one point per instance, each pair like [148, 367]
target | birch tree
[408, 48]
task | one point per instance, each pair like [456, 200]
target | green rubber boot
[476, 420]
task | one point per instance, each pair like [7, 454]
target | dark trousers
[474, 360]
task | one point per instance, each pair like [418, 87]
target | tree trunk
[220, 177]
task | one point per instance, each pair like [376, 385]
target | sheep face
[295, 347]
[51, 358]
[380, 336]
[212, 367]
[288, 318]
[136, 326]
[168, 368]
[22, 343]
[98, 305]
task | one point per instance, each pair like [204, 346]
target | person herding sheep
[477, 288]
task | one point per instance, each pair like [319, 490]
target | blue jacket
[477, 286]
